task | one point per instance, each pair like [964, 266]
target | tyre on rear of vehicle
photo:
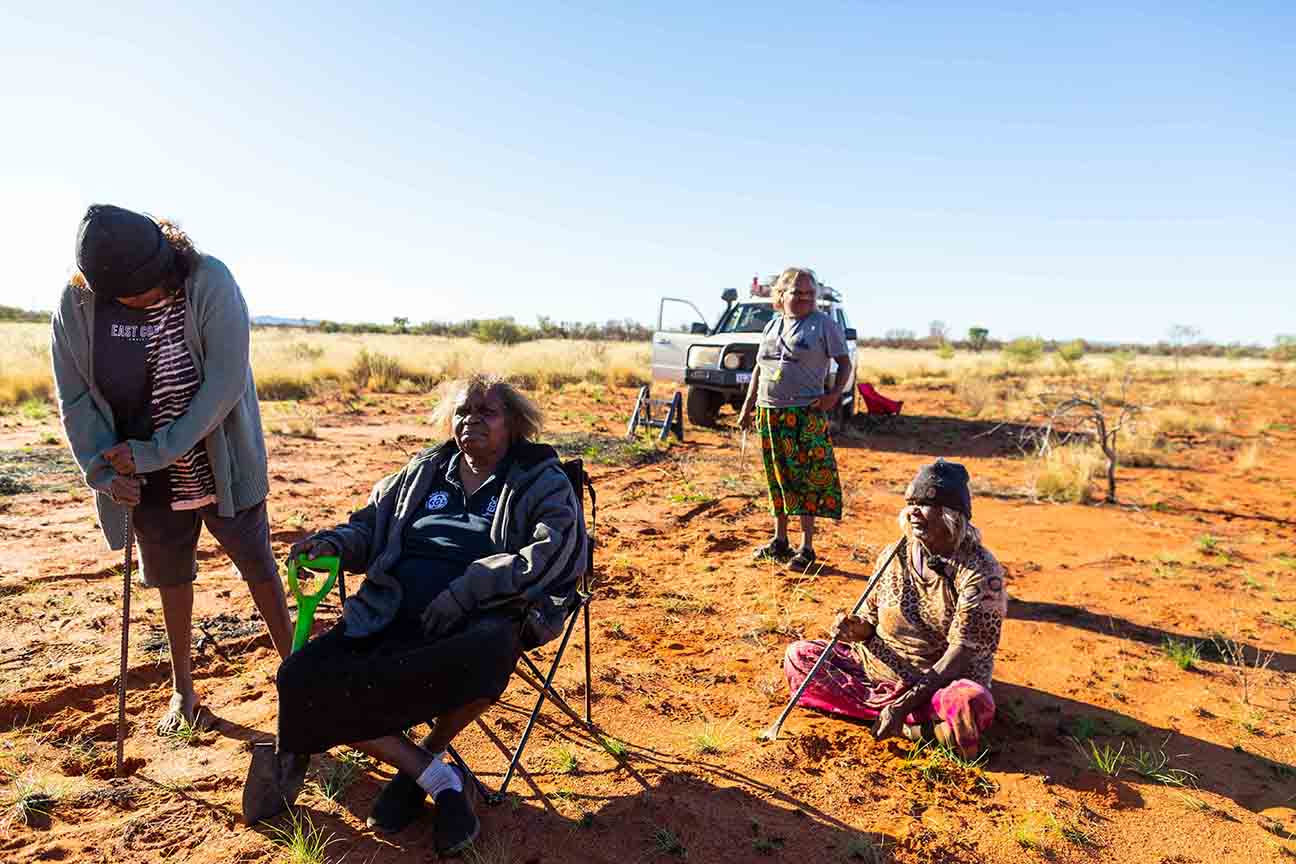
[702, 406]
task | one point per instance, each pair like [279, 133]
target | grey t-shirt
[794, 358]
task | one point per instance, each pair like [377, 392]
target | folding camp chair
[880, 408]
[543, 683]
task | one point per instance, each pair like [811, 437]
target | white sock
[439, 777]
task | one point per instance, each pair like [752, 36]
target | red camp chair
[879, 407]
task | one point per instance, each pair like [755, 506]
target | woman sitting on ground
[472, 552]
[920, 657]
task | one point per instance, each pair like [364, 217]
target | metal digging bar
[772, 732]
[125, 642]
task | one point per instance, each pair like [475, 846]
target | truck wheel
[701, 406]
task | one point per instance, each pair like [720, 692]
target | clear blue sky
[1094, 170]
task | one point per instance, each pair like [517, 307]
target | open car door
[679, 325]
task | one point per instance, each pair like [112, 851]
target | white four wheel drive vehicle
[715, 363]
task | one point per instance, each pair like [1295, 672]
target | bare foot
[185, 709]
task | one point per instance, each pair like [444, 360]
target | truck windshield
[746, 318]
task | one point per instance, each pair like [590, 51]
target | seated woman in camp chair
[920, 656]
[472, 553]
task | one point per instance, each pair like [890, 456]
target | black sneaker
[398, 805]
[457, 825]
[273, 782]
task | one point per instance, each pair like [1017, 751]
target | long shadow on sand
[681, 817]
[1034, 732]
[1114, 625]
[937, 436]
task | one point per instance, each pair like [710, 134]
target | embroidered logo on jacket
[438, 500]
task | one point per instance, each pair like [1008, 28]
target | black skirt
[339, 690]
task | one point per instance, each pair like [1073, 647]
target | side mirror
[729, 295]
[851, 334]
[697, 328]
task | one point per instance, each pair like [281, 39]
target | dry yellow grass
[24, 363]
[1067, 473]
[290, 364]
[1182, 421]
[1249, 456]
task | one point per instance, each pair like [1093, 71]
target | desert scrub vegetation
[1066, 474]
[295, 363]
[292, 364]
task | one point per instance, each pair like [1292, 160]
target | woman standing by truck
[789, 404]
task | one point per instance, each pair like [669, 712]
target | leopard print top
[917, 616]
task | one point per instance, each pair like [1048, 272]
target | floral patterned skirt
[800, 467]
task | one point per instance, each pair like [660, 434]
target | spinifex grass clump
[1154, 765]
[668, 842]
[302, 841]
[340, 773]
[562, 760]
[1105, 760]
[1185, 654]
[940, 765]
[30, 803]
[615, 748]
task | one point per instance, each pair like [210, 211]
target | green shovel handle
[307, 603]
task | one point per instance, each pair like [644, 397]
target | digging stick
[125, 640]
[772, 732]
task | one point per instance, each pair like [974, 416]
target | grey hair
[788, 279]
[525, 416]
[959, 526]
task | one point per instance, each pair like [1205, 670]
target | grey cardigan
[223, 413]
[541, 547]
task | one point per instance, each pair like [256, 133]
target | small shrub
[1185, 654]
[1284, 350]
[1177, 421]
[301, 840]
[1023, 351]
[500, 331]
[1248, 457]
[1154, 765]
[562, 760]
[862, 848]
[273, 387]
[975, 392]
[376, 371]
[31, 803]
[615, 748]
[712, 740]
[1066, 474]
[1083, 728]
[1071, 352]
[34, 409]
[945, 351]
[668, 842]
[1105, 761]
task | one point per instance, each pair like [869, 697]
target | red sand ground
[688, 637]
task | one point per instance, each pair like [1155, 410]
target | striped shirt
[175, 381]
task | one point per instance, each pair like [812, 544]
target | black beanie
[121, 253]
[943, 483]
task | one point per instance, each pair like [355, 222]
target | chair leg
[483, 792]
[535, 712]
[588, 679]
